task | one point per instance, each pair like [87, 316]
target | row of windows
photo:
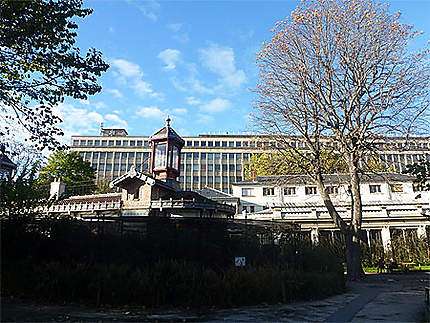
[233, 144]
[312, 190]
[111, 143]
[217, 167]
[224, 156]
[210, 179]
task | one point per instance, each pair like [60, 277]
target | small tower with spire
[166, 147]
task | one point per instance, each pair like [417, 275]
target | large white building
[390, 201]
[215, 161]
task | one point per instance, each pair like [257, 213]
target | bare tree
[339, 74]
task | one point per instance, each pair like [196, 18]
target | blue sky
[193, 60]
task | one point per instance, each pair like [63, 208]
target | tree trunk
[353, 250]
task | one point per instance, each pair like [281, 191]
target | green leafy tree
[40, 65]
[421, 171]
[20, 198]
[291, 162]
[77, 174]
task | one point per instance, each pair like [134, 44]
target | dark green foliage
[167, 283]
[21, 197]
[421, 171]
[175, 263]
[41, 65]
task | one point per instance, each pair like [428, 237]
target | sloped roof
[167, 132]
[212, 193]
[5, 161]
[328, 178]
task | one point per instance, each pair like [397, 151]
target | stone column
[421, 232]
[368, 237]
[314, 236]
[57, 189]
[386, 238]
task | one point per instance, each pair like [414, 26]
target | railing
[84, 207]
[187, 204]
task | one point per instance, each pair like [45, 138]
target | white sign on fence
[239, 261]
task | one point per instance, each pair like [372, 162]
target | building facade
[215, 161]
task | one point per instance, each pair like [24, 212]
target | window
[231, 143]
[224, 156]
[268, 191]
[189, 155]
[217, 167]
[217, 179]
[195, 167]
[396, 188]
[117, 155]
[116, 167]
[103, 155]
[210, 179]
[131, 155]
[118, 143]
[238, 144]
[196, 143]
[132, 143]
[245, 144]
[108, 166]
[138, 156]
[231, 167]
[332, 190]
[195, 179]
[125, 142]
[210, 143]
[146, 143]
[251, 208]
[202, 155]
[224, 167]
[111, 143]
[224, 143]
[217, 156]
[75, 142]
[189, 143]
[90, 143]
[210, 167]
[310, 190]
[139, 143]
[195, 156]
[188, 167]
[95, 155]
[82, 143]
[188, 179]
[203, 167]
[203, 143]
[225, 179]
[160, 156]
[210, 156]
[247, 192]
[174, 161]
[289, 191]
[217, 143]
[418, 187]
[375, 188]
[123, 155]
[97, 143]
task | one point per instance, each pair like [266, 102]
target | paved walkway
[384, 297]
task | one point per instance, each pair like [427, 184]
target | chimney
[57, 189]
[254, 176]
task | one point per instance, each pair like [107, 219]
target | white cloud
[221, 61]
[170, 57]
[142, 87]
[127, 69]
[111, 29]
[129, 73]
[151, 112]
[149, 8]
[204, 118]
[180, 111]
[192, 100]
[84, 102]
[116, 121]
[174, 27]
[115, 92]
[216, 105]
[99, 105]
